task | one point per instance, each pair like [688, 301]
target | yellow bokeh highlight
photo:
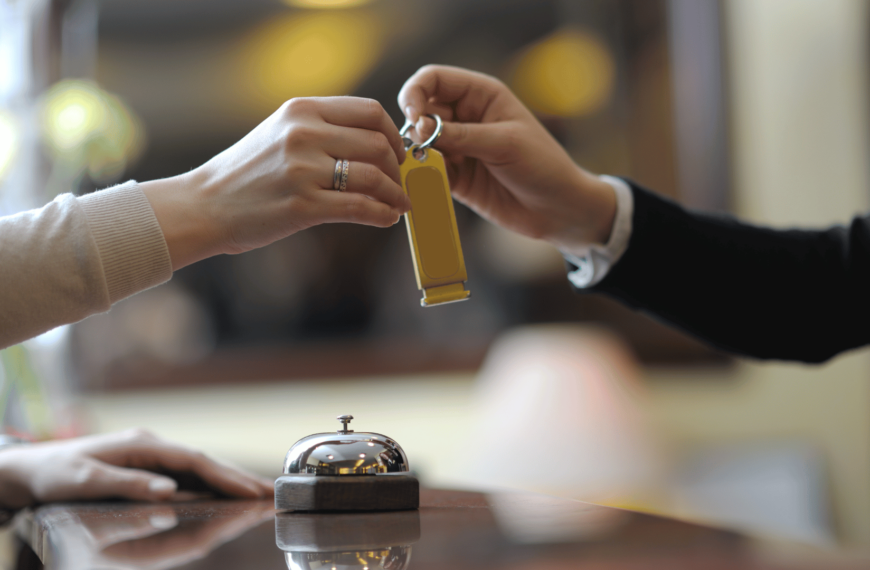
[311, 54]
[569, 74]
[9, 141]
[326, 3]
[88, 129]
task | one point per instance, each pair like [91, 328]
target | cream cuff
[132, 249]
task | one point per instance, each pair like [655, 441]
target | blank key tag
[431, 223]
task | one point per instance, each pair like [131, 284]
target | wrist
[589, 216]
[183, 217]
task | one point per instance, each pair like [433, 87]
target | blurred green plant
[20, 386]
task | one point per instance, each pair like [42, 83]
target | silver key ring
[439, 128]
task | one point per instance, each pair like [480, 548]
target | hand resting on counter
[133, 465]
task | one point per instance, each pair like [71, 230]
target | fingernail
[161, 486]
[411, 113]
[162, 522]
[421, 123]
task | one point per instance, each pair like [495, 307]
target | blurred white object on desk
[559, 410]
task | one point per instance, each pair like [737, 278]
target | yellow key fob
[432, 231]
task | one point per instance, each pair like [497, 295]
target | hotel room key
[432, 231]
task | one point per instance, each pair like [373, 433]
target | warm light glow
[87, 128]
[74, 111]
[9, 141]
[570, 73]
[371, 444]
[326, 3]
[311, 54]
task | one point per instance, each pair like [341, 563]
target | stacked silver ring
[342, 185]
[339, 177]
[336, 176]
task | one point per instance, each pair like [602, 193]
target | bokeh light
[86, 128]
[73, 113]
[326, 3]
[569, 74]
[312, 54]
[9, 141]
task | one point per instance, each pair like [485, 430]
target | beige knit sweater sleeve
[76, 257]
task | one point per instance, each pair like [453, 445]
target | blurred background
[754, 107]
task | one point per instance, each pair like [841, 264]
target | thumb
[106, 481]
[489, 142]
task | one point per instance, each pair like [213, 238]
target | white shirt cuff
[593, 261]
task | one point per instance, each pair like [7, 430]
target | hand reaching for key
[278, 180]
[503, 163]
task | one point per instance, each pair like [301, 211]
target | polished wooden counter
[452, 530]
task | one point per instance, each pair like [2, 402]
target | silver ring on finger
[336, 176]
[342, 185]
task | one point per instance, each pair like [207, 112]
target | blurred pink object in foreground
[560, 410]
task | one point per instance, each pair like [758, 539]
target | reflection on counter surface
[452, 529]
[392, 558]
[369, 541]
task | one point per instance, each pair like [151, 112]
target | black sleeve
[772, 294]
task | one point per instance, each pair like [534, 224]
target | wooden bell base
[387, 492]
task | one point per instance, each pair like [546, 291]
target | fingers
[138, 448]
[432, 85]
[361, 114]
[338, 207]
[363, 178]
[361, 145]
[93, 479]
[490, 142]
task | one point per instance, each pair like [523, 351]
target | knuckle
[298, 106]
[494, 81]
[298, 208]
[379, 143]
[83, 472]
[294, 170]
[429, 69]
[140, 434]
[299, 137]
[372, 108]
[197, 459]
